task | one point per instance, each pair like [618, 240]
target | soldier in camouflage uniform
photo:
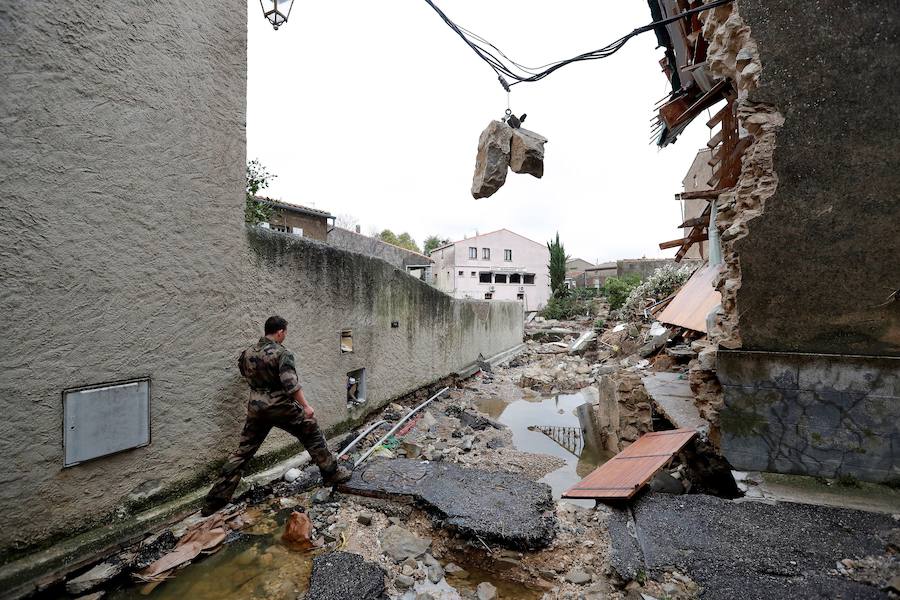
[276, 400]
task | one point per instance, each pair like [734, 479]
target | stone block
[527, 152]
[492, 160]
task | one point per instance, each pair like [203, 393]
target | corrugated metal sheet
[694, 300]
[624, 474]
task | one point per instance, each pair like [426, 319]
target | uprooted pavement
[449, 507]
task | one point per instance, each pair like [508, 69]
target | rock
[492, 160]
[94, 596]
[98, 575]
[578, 576]
[426, 421]
[454, 568]
[583, 342]
[341, 575]
[894, 584]
[665, 483]
[291, 475]
[435, 573]
[364, 519]
[412, 450]
[400, 543]
[476, 422]
[403, 582]
[526, 153]
[496, 442]
[322, 496]
[486, 591]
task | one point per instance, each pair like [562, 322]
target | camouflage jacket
[269, 367]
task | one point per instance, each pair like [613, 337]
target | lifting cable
[503, 70]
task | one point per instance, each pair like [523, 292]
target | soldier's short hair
[275, 323]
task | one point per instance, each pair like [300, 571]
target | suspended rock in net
[493, 159]
[527, 152]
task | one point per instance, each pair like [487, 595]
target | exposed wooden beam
[703, 194]
[682, 241]
[701, 220]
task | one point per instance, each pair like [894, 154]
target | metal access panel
[105, 419]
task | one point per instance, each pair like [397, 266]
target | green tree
[258, 178]
[557, 266]
[617, 289]
[432, 242]
[404, 240]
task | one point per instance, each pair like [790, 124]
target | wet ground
[559, 410]
[257, 565]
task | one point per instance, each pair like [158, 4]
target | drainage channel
[560, 416]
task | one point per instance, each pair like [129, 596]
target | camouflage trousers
[264, 412]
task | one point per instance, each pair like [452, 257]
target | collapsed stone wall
[623, 412]
[733, 55]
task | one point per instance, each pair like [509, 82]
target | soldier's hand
[308, 412]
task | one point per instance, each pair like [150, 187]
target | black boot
[339, 475]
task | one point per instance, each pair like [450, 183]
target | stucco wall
[355, 242]
[820, 262]
[124, 128]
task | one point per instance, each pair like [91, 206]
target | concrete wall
[811, 414]
[322, 290]
[355, 242]
[124, 128]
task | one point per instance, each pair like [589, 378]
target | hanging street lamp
[276, 11]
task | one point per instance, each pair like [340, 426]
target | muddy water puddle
[557, 414]
[255, 566]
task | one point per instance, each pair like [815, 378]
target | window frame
[485, 254]
[507, 254]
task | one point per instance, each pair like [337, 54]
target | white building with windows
[500, 265]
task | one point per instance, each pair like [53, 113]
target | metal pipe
[372, 428]
[397, 426]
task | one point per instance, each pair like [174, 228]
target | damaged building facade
[801, 207]
[122, 318]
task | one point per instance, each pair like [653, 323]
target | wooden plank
[718, 116]
[624, 474]
[704, 194]
[693, 301]
[701, 220]
[694, 237]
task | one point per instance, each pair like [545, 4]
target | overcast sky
[374, 109]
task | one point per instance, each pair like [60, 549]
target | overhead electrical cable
[483, 48]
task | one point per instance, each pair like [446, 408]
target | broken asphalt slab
[497, 507]
[747, 550]
[345, 576]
